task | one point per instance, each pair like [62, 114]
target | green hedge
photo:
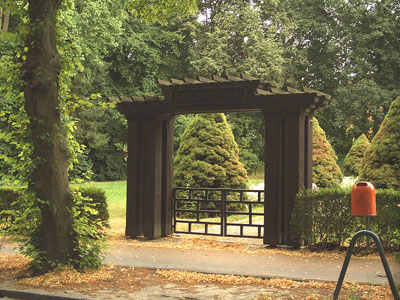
[323, 216]
[9, 197]
[100, 201]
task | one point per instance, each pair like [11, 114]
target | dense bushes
[9, 206]
[323, 216]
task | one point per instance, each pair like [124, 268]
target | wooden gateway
[288, 146]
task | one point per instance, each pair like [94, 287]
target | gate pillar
[150, 177]
[288, 168]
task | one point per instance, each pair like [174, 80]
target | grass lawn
[116, 200]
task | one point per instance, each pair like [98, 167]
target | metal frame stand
[383, 259]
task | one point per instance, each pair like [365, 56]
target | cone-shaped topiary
[208, 155]
[381, 163]
[326, 172]
[353, 159]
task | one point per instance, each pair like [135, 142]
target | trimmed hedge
[323, 216]
[100, 202]
[9, 197]
[353, 160]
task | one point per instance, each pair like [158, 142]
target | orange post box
[363, 200]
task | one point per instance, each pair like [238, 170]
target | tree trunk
[1, 18]
[50, 182]
[6, 19]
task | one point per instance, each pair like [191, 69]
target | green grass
[116, 200]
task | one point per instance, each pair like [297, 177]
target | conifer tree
[326, 172]
[381, 163]
[353, 159]
[208, 155]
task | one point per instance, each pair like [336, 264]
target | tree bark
[6, 19]
[42, 104]
[1, 18]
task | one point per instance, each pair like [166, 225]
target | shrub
[99, 201]
[208, 157]
[323, 216]
[9, 197]
[381, 163]
[353, 159]
[20, 218]
[326, 172]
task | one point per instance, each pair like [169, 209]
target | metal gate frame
[208, 196]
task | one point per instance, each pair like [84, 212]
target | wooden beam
[163, 82]
[167, 202]
[274, 146]
[151, 98]
[295, 160]
[152, 177]
[278, 91]
[308, 152]
[293, 90]
[263, 92]
[191, 81]
[206, 80]
[134, 198]
[138, 99]
[219, 78]
[177, 81]
[234, 78]
[125, 99]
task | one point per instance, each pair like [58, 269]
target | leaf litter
[114, 278]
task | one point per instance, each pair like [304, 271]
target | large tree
[41, 74]
[50, 179]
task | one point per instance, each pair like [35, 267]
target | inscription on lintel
[212, 96]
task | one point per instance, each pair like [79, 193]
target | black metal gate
[219, 212]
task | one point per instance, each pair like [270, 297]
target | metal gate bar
[189, 209]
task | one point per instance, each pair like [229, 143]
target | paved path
[264, 265]
[270, 265]
[275, 265]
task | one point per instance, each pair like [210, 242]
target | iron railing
[219, 212]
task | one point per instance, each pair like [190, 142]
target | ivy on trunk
[50, 145]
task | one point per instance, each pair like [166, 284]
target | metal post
[223, 212]
[383, 259]
[368, 230]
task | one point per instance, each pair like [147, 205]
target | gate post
[150, 177]
[275, 166]
[288, 168]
